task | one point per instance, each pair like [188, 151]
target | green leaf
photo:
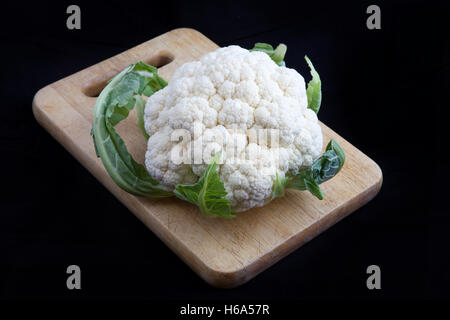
[276, 55]
[314, 89]
[313, 187]
[264, 47]
[324, 168]
[278, 187]
[140, 107]
[208, 193]
[113, 105]
[337, 149]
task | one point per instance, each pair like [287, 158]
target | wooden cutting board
[225, 253]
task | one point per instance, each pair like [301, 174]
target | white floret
[217, 103]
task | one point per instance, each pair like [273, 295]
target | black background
[383, 90]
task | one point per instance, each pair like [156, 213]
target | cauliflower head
[238, 102]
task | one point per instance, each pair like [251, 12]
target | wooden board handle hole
[93, 87]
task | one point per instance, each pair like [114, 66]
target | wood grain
[225, 253]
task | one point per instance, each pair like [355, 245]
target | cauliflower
[231, 93]
[229, 133]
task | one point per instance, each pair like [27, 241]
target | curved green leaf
[314, 89]
[113, 105]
